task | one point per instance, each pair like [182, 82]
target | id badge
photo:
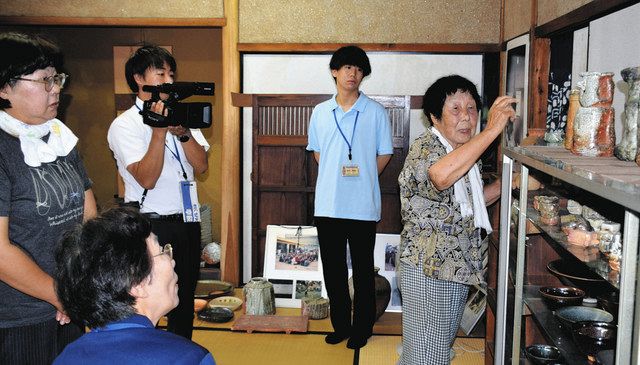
[350, 170]
[190, 204]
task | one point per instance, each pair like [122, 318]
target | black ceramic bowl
[561, 296]
[593, 337]
[577, 275]
[216, 314]
[543, 354]
[569, 316]
[610, 302]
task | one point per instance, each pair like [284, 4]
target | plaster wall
[551, 9]
[517, 19]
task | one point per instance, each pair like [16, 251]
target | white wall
[613, 46]
[392, 74]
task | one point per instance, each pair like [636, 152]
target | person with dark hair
[443, 206]
[157, 165]
[350, 136]
[44, 190]
[114, 277]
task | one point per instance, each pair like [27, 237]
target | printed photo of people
[297, 253]
[390, 257]
[308, 289]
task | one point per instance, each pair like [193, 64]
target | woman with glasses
[44, 190]
[114, 277]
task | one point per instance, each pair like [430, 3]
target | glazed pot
[382, 289]
[259, 298]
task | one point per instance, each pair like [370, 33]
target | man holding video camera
[157, 165]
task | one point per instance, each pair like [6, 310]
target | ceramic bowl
[543, 354]
[216, 314]
[593, 337]
[569, 316]
[610, 302]
[232, 303]
[207, 289]
[199, 304]
[577, 275]
[561, 296]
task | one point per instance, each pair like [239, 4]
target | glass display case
[522, 316]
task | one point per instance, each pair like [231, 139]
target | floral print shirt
[434, 229]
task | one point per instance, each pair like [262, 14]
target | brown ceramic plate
[212, 289]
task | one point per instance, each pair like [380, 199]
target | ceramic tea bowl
[569, 316]
[610, 302]
[593, 337]
[561, 296]
[543, 354]
[574, 274]
[216, 314]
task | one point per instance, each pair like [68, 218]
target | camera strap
[176, 154]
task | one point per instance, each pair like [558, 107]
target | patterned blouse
[434, 229]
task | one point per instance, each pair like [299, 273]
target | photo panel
[385, 257]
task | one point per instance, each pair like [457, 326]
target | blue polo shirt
[349, 197]
[133, 340]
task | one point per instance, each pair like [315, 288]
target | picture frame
[516, 84]
[292, 263]
[474, 309]
[385, 256]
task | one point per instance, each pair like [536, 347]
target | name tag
[350, 170]
[190, 204]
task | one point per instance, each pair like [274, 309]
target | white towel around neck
[35, 150]
[478, 207]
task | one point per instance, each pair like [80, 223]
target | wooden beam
[539, 89]
[112, 22]
[230, 160]
[383, 47]
[581, 16]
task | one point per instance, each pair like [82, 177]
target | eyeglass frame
[165, 250]
[48, 81]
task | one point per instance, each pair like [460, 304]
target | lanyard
[353, 133]
[175, 154]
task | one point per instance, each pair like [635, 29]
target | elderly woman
[113, 276]
[44, 190]
[445, 219]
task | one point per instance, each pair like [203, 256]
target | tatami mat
[239, 348]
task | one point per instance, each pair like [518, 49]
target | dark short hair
[351, 55]
[23, 54]
[99, 262]
[437, 93]
[144, 57]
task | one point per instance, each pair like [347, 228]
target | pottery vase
[574, 104]
[382, 289]
[627, 149]
[593, 126]
[259, 298]
[596, 89]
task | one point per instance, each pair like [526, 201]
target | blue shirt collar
[135, 319]
[359, 105]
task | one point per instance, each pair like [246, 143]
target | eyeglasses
[166, 250]
[49, 81]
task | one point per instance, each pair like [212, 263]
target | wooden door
[284, 174]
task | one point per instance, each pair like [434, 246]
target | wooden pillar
[230, 169]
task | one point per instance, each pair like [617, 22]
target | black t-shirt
[41, 203]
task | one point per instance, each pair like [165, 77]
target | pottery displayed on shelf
[259, 297]
[315, 308]
[230, 302]
[593, 126]
[627, 149]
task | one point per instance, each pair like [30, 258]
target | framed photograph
[474, 309]
[292, 261]
[516, 84]
[385, 255]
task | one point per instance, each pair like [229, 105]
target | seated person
[113, 276]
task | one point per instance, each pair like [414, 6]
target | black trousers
[185, 240]
[333, 234]
[38, 343]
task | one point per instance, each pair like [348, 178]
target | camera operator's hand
[179, 130]
[158, 108]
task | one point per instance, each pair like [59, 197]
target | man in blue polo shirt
[350, 136]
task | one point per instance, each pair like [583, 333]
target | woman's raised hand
[501, 112]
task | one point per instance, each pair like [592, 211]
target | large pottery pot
[383, 292]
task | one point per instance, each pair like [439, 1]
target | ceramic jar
[259, 298]
[597, 89]
[574, 104]
[593, 125]
[627, 150]
[382, 289]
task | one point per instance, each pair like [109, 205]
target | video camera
[188, 115]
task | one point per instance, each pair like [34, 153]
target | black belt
[167, 218]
